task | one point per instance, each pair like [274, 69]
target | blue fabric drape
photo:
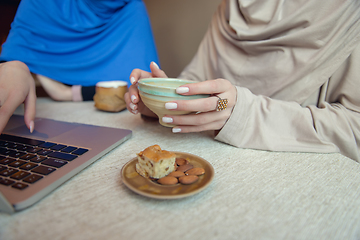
[81, 42]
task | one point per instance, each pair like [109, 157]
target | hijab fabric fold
[277, 47]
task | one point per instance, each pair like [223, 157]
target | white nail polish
[157, 66]
[171, 105]
[167, 119]
[133, 98]
[32, 126]
[182, 90]
[132, 80]
[176, 130]
[132, 106]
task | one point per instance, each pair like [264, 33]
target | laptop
[34, 164]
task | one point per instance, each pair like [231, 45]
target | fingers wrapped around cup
[156, 92]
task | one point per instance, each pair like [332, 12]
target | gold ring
[221, 104]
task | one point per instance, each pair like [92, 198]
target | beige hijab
[278, 47]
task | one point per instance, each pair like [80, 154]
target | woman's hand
[132, 98]
[17, 86]
[206, 116]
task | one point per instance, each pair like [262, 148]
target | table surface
[254, 194]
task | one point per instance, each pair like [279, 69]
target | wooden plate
[149, 188]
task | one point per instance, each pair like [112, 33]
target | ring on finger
[221, 104]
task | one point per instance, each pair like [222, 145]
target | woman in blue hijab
[74, 43]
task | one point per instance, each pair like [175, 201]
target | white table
[254, 194]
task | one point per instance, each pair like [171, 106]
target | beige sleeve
[260, 122]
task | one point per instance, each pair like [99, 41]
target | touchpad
[44, 129]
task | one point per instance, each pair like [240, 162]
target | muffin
[155, 163]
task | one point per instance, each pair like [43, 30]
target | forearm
[263, 123]
[61, 92]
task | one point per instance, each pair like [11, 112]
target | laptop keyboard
[24, 161]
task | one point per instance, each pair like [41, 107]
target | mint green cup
[155, 92]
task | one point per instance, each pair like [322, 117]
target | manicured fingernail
[176, 130]
[170, 105]
[135, 111]
[132, 106]
[167, 119]
[157, 66]
[133, 98]
[182, 90]
[32, 126]
[132, 80]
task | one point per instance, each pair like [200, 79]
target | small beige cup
[109, 96]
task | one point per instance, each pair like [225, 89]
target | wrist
[76, 95]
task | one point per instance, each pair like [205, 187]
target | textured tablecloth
[254, 194]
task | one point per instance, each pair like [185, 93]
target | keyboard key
[3, 143]
[47, 145]
[32, 178]
[34, 149]
[68, 149]
[64, 156]
[12, 145]
[44, 152]
[2, 157]
[28, 166]
[28, 156]
[38, 159]
[6, 182]
[17, 163]
[52, 162]
[20, 185]
[22, 140]
[20, 175]
[6, 152]
[42, 170]
[80, 151]
[8, 172]
[7, 160]
[17, 154]
[23, 148]
[58, 147]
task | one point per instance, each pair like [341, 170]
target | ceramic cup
[109, 96]
[155, 92]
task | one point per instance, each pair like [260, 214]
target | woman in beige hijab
[290, 71]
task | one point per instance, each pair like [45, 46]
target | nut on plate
[168, 180]
[188, 179]
[195, 171]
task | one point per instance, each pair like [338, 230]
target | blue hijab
[81, 42]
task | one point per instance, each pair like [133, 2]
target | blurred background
[178, 28]
[7, 13]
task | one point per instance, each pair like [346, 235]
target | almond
[195, 171]
[181, 161]
[189, 179]
[184, 168]
[168, 180]
[176, 174]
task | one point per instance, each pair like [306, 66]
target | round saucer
[149, 188]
